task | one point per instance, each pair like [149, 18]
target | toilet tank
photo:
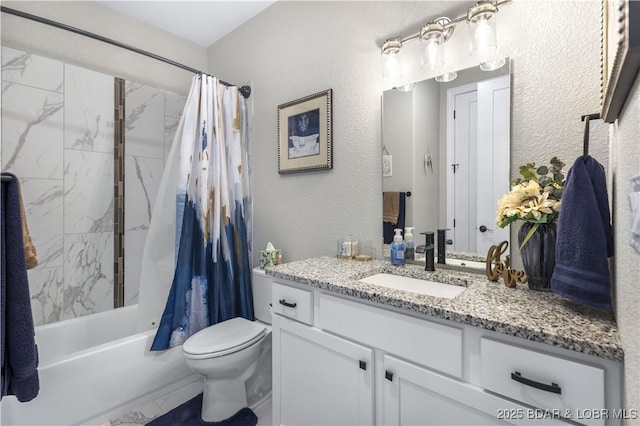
[261, 287]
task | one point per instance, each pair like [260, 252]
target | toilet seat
[223, 338]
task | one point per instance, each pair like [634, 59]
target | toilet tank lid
[223, 336]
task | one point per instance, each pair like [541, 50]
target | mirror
[448, 145]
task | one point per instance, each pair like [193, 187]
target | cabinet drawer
[427, 343]
[542, 380]
[292, 302]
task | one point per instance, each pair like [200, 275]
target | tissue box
[268, 258]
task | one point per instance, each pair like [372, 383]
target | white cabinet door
[320, 379]
[416, 396]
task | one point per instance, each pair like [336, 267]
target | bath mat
[188, 414]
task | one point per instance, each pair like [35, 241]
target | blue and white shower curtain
[205, 201]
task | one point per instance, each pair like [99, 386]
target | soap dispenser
[397, 248]
[409, 245]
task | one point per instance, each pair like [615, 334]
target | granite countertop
[532, 315]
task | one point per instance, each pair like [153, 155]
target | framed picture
[387, 165]
[620, 54]
[305, 134]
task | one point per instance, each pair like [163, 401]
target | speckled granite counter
[536, 316]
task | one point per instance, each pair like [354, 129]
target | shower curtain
[204, 275]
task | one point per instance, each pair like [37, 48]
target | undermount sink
[414, 285]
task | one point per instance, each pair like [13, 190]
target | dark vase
[538, 254]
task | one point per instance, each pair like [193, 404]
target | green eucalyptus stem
[535, 227]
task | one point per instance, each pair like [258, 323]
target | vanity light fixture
[432, 38]
[392, 59]
[492, 64]
[435, 33]
[482, 29]
[446, 77]
[406, 87]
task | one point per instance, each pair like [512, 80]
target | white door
[478, 156]
[463, 170]
[494, 134]
[320, 379]
[416, 396]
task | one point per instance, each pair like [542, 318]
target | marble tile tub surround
[541, 317]
[151, 121]
[57, 137]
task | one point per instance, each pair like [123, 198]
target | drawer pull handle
[287, 304]
[553, 387]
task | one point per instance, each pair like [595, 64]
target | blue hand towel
[18, 350]
[584, 240]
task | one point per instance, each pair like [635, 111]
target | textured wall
[291, 50]
[75, 49]
[556, 79]
[625, 156]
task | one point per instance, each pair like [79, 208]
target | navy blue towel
[188, 414]
[584, 240]
[19, 354]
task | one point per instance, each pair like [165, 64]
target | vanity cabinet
[321, 379]
[414, 395]
[540, 379]
[340, 360]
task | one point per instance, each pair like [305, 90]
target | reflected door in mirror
[478, 155]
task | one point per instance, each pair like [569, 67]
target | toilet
[229, 353]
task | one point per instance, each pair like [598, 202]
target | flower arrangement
[533, 198]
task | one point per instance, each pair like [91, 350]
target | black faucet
[429, 249]
[441, 246]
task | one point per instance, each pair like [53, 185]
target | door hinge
[363, 365]
[454, 114]
[454, 223]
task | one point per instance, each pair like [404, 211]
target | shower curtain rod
[244, 90]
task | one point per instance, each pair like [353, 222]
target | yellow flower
[536, 198]
[526, 201]
[531, 189]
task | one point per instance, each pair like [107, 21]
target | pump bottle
[397, 248]
[409, 245]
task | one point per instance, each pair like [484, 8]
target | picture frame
[620, 54]
[305, 140]
[387, 165]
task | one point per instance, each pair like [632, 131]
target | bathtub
[96, 368]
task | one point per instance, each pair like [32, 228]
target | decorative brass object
[495, 268]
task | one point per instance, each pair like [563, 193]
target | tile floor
[144, 414]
